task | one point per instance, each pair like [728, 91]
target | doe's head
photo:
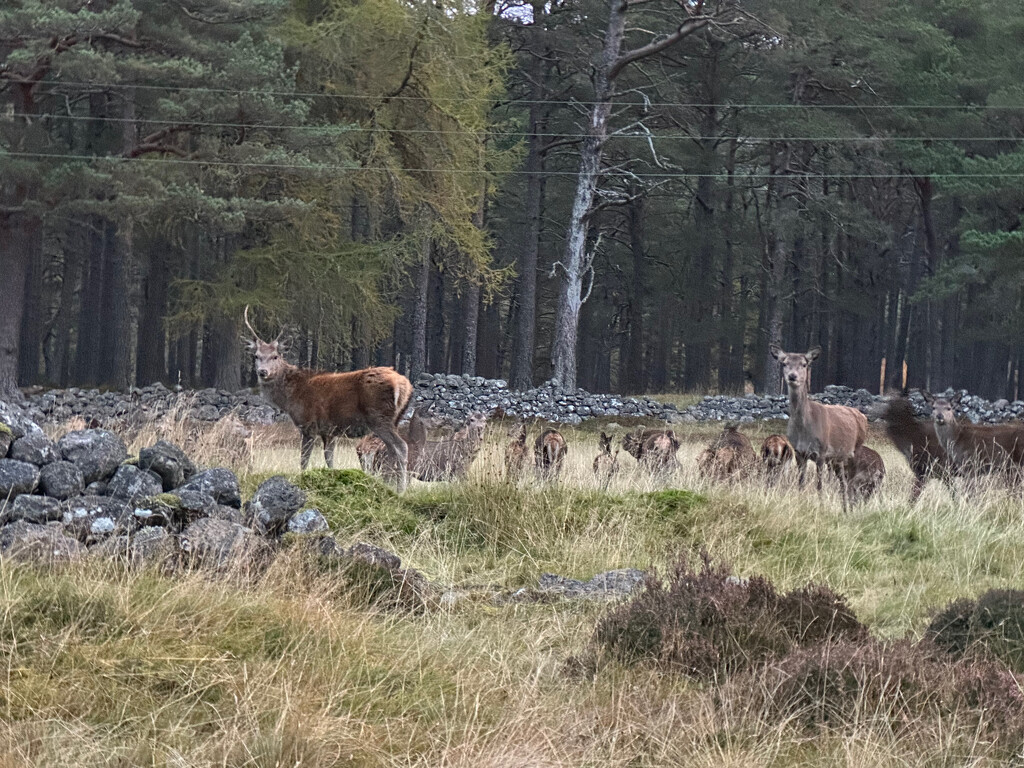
[943, 408]
[796, 366]
[268, 357]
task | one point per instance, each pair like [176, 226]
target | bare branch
[685, 29]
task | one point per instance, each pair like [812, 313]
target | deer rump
[549, 451]
[433, 460]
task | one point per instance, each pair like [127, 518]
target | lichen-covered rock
[273, 504]
[223, 546]
[32, 509]
[6, 438]
[131, 483]
[307, 521]
[169, 462]
[96, 488]
[15, 423]
[94, 518]
[145, 546]
[97, 452]
[29, 542]
[61, 480]
[17, 477]
[219, 483]
[373, 555]
[34, 448]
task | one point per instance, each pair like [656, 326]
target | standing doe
[977, 448]
[328, 405]
[828, 435]
[549, 452]
[605, 463]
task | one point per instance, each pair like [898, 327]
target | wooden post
[881, 379]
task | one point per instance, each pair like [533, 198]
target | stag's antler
[248, 325]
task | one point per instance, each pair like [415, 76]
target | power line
[610, 173]
[502, 134]
[474, 99]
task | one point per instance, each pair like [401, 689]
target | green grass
[104, 666]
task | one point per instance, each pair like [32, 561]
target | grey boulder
[34, 448]
[29, 542]
[274, 503]
[169, 462]
[61, 480]
[32, 509]
[94, 518]
[97, 452]
[219, 483]
[131, 483]
[308, 521]
[221, 545]
[17, 477]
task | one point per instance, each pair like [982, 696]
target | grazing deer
[864, 473]
[381, 462]
[327, 405]
[549, 452]
[918, 441]
[516, 453]
[776, 455]
[654, 449]
[605, 463]
[730, 455]
[451, 458]
[977, 448]
[828, 435]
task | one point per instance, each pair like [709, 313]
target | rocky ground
[84, 495]
[453, 398]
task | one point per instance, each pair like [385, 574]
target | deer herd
[374, 400]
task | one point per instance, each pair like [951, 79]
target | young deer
[605, 463]
[977, 448]
[328, 405]
[864, 473]
[549, 453]
[451, 458]
[654, 449]
[516, 453]
[776, 455]
[828, 435]
[730, 455]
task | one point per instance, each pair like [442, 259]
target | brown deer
[516, 453]
[828, 435]
[730, 455]
[328, 405]
[917, 441]
[605, 463]
[450, 459]
[977, 448]
[776, 455]
[549, 452]
[381, 462]
[864, 473]
[654, 449]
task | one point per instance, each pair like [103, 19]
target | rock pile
[453, 398]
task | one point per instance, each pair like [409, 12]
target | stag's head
[943, 408]
[270, 363]
[796, 366]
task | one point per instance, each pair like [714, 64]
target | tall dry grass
[108, 667]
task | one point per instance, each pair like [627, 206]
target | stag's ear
[928, 396]
[777, 353]
[812, 354]
[955, 399]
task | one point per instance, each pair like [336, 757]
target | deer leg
[801, 463]
[398, 449]
[916, 488]
[328, 450]
[305, 450]
[844, 485]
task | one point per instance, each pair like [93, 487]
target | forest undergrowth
[815, 631]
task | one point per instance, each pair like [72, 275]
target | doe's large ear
[775, 352]
[812, 353]
[955, 399]
[928, 396]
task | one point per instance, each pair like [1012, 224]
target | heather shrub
[901, 685]
[705, 622]
[993, 624]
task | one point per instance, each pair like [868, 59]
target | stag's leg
[398, 449]
[328, 450]
[305, 450]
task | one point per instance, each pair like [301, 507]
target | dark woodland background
[395, 181]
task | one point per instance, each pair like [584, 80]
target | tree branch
[685, 29]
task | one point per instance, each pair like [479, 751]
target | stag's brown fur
[828, 435]
[917, 441]
[730, 455]
[776, 455]
[328, 405]
[549, 452]
[977, 448]
[605, 463]
[516, 453]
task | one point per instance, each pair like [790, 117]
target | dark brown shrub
[901, 684]
[991, 625]
[708, 623]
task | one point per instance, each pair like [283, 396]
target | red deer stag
[605, 463]
[730, 455]
[776, 455]
[654, 449]
[917, 441]
[828, 435]
[327, 405]
[516, 453]
[977, 448]
[549, 452]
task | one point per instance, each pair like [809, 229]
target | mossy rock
[6, 430]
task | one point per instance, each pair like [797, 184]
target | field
[104, 666]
